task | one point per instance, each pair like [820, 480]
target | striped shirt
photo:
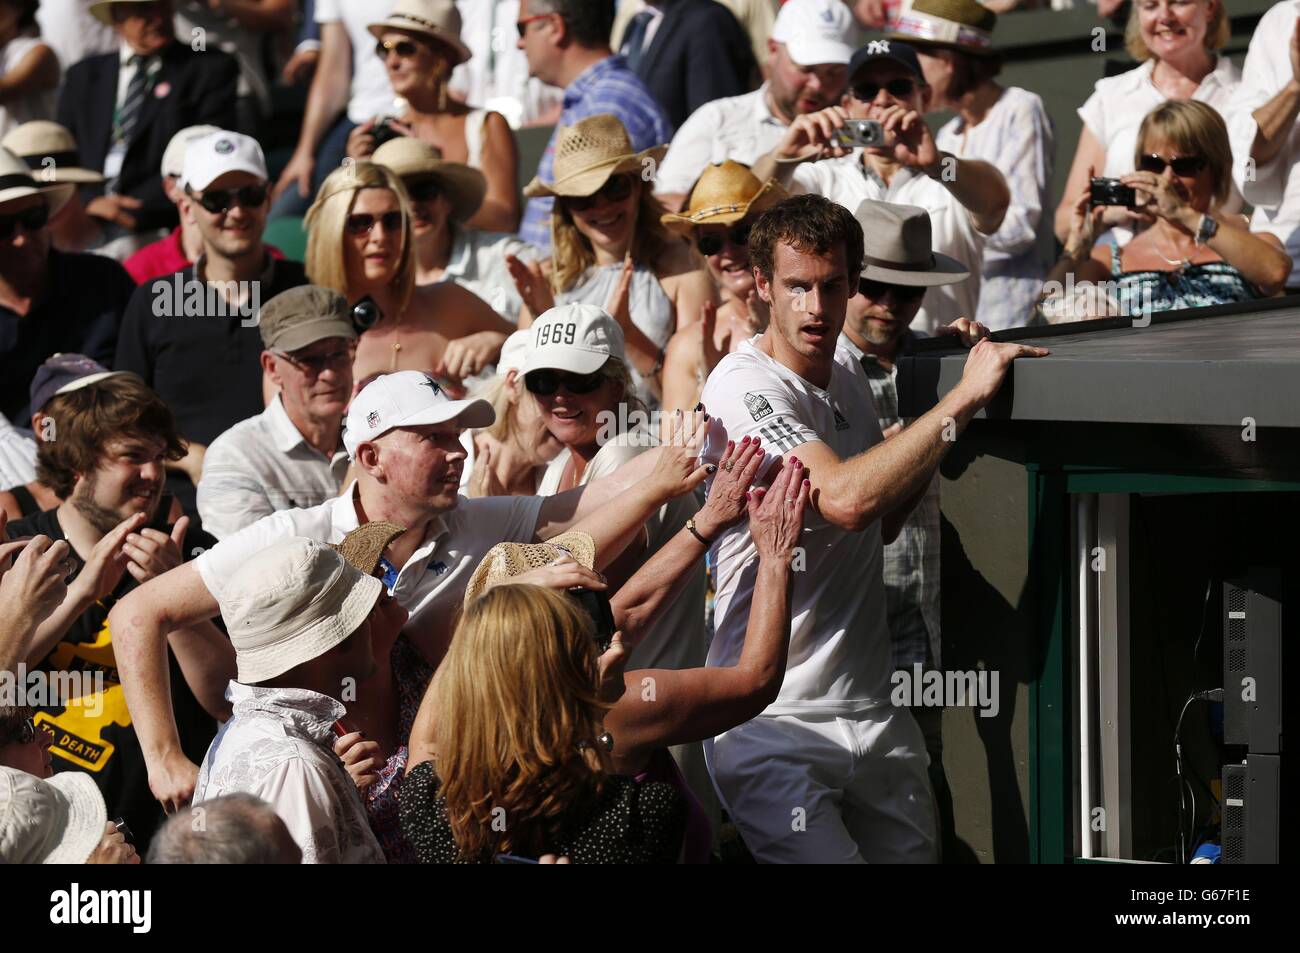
[605, 87]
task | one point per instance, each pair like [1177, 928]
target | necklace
[1181, 264]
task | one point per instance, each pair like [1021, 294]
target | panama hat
[17, 182]
[953, 24]
[364, 547]
[507, 560]
[587, 154]
[47, 145]
[897, 249]
[102, 9]
[414, 159]
[725, 193]
[436, 18]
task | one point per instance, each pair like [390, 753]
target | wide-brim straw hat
[897, 247]
[588, 153]
[102, 9]
[415, 159]
[724, 194]
[508, 560]
[364, 546]
[435, 18]
[965, 25]
[17, 182]
[47, 145]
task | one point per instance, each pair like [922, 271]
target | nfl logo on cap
[372, 418]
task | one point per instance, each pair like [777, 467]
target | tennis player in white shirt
[831, 772]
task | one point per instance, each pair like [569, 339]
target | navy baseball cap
[63, 373]
[894, 50]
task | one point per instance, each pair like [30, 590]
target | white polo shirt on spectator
[840, 655]
[848, 181]
[1270, 186]
[261, 465]
[477, 262]
[372, 93]
[741, 128]
[432, 583]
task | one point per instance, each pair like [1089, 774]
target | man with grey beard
[102, 450]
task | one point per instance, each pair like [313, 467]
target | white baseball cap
[578, 338]
[212, 156]
[292, 603]
[816, 31]
[59, 820]
[408, 399]
[173, 160]
[514, 352]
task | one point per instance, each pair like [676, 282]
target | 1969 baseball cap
[407, 399]
[578, 338]
[816, 31]
[209, 158]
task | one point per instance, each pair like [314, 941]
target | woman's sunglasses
[218, 201]
[710, 243]
[1184, 166]
[403, 48]
[615, 190]
[361, 223]
[547, 383]
[899, 88]
[425, 191]
[31, 219]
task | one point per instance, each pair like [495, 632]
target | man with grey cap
[290, 455]
[299, 618]
[403, 435]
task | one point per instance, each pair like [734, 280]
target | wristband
[690, 526]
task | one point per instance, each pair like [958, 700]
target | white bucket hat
[408, 399]
[578, 338]
[56, 821]
[292, 603]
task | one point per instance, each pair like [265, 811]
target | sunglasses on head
[1182, 165]
[615, 190]
[899, 88]
[877, 290]
[425, 191]
[545, 383]
[217, 201]
[403, 48]
[31, 219]
[710, 243]
[361, 223]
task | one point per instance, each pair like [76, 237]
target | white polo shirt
[840, 656]
[432, 583]
[740, 128]
[261, 465]
[848, 181]
[371, 92]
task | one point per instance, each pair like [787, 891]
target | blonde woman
[610, 248]
[359, 243]
[511, 727]
[1178, 43]
[420, 45]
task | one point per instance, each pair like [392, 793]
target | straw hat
[587, 154]
[953, 24]
[47, 145]
[57, 820]
[507, 560]
[17, 182]
[725, 193]
[414, 159]
[364, 546]
[102, 9]
[436, 18]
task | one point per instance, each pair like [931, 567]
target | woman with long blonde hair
[359, 243]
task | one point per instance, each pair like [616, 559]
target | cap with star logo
[407, 399]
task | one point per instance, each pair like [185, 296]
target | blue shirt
[604, 87]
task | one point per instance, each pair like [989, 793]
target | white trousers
[828, 789]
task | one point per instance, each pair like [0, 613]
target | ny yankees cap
[407, 399]
[893, 50]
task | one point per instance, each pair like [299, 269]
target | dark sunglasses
[314, 364]
[218, 201]
[877, 290]
[26, 733]
[710, 243]
[615, 190]
[425, 191]
[546, 383]
[32, 220]
[1185, 166]
[403, 48]
[899, 88]
[362, 222]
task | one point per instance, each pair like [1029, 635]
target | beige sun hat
[47, 145]
[57, 820]
[507, 560]
[587, 154]
[897, 249]
[724, 194]
[292, 603]
[102, 9]
[413, 159]
[436, 18]
[364, 546]
[17, 182]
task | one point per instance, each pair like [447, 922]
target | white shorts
[828, 788]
